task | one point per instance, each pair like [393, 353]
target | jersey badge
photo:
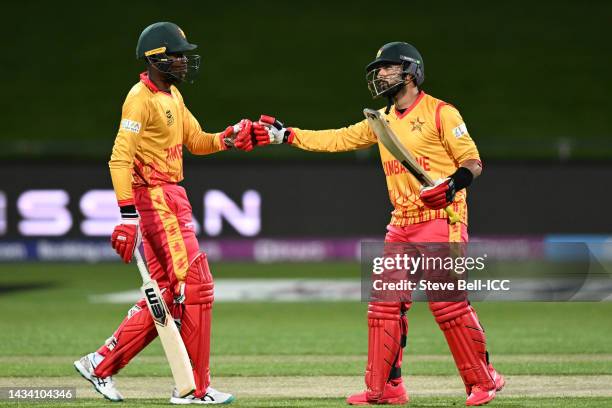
[170, 118]
[417, 125]
[460, 130]
[130, 125]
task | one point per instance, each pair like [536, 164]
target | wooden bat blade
[385, 134]
[171, 340]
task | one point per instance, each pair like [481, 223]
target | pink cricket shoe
[480, 396]
[499, 379]
[393, 394]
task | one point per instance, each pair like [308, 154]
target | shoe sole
[78, 367]
[490, 398]
[502, 384]
[180, 401]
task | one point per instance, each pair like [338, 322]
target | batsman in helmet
[436, 134]
[146, 167]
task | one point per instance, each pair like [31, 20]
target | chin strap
[389, 104]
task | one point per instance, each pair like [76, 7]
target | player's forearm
[121, 164]
[122, 184]
[206, 143]
[331, 141]
[474, 166]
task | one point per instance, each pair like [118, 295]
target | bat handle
[453, 218]
[142, 268]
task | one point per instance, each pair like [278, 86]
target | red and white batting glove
[231, 133]
[269, 130]
[440, 195]
[260, 133]
[243, 139]
[126, 236]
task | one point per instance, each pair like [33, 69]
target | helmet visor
[176, 67]
[385, 80]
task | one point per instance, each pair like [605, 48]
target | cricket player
[146, 166]
[436, 134]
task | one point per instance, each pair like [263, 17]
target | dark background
[530, 78]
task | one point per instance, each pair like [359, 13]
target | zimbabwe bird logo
[417, 125]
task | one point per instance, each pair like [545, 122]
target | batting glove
[231, 133]
[440, 195]
[126, 236]
[269, 130]
[243, 139]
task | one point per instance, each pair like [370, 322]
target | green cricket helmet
[161, 41]
[394, 53]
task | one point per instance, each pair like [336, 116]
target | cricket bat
[171, 340]
[385, 134]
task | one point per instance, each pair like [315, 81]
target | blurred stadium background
[530, 78]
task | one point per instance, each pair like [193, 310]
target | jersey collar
[144, 78]
[411, 107]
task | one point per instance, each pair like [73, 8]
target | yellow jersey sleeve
[197, 140]
[134, 118]
[354, 137]
[454, 135]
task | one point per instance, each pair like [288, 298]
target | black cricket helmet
[161, 41]
[394, 53]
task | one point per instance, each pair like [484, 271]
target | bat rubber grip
[453, 218]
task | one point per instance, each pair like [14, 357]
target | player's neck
[406, 97]
[158, 81]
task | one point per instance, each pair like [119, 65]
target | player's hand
[440, 195]
[269, 130]
[243, 139]
[231, 133]
[125, 238]
[179, 293]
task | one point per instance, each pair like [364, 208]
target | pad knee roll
[199, 286]
[384, 310]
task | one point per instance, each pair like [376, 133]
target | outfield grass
[45, 327]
